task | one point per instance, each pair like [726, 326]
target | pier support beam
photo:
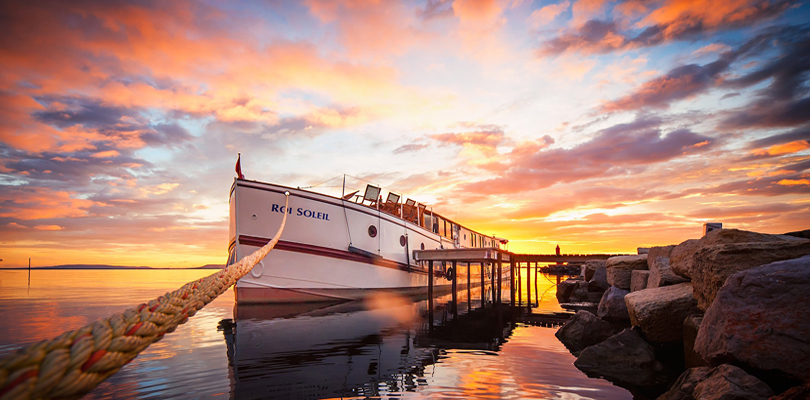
[519, 285]
[500, 280]
[492, 280]
[454, 307]
[536, 287]
[528, 287]
[469, 289]
[483, 286]
[512, 281]
[430, 294]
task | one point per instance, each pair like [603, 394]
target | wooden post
[512, 279]
[536, 287]
[500, 280]
[430, 293]
[483, 285]
[492, 281]
[29, 272]
[528, 286]
[519, 285]
[469, 289]
[454, 307]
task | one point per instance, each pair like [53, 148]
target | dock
[495, 258]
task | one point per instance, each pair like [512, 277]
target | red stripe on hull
[332, 253]
[252, 295]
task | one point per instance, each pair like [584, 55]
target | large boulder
[658, 251]
[691, 325]
[599, 280]
[805, 234]
[582, 293]
[714, 264]
[619, 269]
[638, 280]
[565, 289]
[590, 267]
[795, 393]
[682, 257]
[660, 312]
[725, 382]
[582, 330]
[761, 319]
[661, 274]
[624, 358]
[612, 306]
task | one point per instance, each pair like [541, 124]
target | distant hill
[103, 266]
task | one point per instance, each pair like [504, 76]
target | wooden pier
[497, 258]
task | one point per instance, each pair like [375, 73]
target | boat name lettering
[301, 212]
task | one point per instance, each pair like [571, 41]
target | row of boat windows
[447, 229]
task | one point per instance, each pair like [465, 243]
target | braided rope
[75, 362]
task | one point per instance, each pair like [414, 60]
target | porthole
[372, 231]
[402, 241]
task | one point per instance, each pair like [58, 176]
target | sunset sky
[597, 125]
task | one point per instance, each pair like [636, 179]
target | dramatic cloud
[673, 20]
[613, 151]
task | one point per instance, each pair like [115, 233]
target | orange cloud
[680, 16]
[793, 182]
[548, 13]
[781, 149]
[32, 203]
[49, 227]
[585, 10]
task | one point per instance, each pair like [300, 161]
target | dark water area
[381, 348]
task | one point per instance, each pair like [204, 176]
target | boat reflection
[356, 349]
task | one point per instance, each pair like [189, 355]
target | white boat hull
[331, 249]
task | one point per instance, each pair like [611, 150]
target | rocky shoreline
[726, 316]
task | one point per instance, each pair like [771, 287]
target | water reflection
[372, 348]
[381, 348]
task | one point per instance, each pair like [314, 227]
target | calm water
[379, 349]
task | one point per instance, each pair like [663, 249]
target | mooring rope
[77, 361]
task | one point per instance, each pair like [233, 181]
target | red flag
[239, 166]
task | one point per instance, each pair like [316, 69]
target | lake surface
[383, 348]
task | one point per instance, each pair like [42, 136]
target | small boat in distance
[346, 246]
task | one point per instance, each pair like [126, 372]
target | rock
[660, 312]
[612, 306]
[599, 280]
[638, 280]
[805, 234]
[582, 330]
[682, 257]
[761, 319]
[795, 393]
[658, 251]
[691, 325]
[582, 293]
[684, 387]
[725, 382]
[661, 274]
[624, 358]
[589, 268]
[714, 264]
[565, 289]
[620, 268]
[680, 260]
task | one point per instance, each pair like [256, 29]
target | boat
[343, 246]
